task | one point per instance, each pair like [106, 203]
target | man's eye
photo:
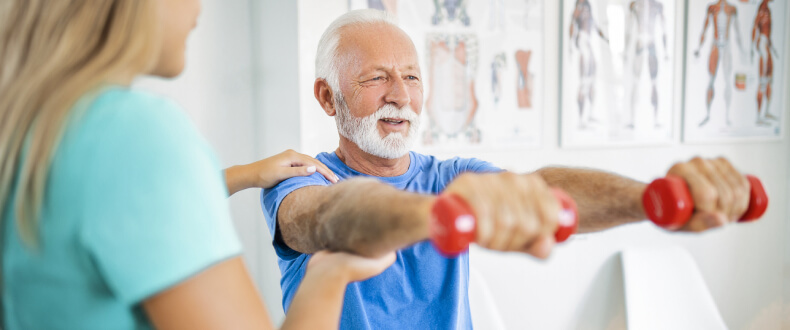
[377, 78]
[412, 78]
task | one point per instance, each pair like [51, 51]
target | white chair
[485, 314]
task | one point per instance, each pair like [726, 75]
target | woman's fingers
[365, 268]
[287, 164]
[354, 267]
[290, 172]
[316, 166]
[295, 159]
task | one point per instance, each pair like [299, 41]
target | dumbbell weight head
[452, 226]
[568, 218]
[668, 202]
[758, 200]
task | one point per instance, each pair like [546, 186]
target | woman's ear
[324, 95]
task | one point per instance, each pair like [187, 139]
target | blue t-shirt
[135, 203]
[422, 289]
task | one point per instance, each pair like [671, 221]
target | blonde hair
[52, 53]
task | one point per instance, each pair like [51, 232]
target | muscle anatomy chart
[648, 33]
[452, 103]
[617, 72]
[482, 66]
[733, 52]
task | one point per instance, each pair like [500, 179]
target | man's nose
[397, 94]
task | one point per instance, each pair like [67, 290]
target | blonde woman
[113, 208]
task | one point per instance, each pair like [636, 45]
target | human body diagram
[452, 60]
[647, 16]
[723, 15]
[479, 69]
[525, 79]
[498, 66]
[761, 40]
[581, 33]
[450, 10]
[386, 5]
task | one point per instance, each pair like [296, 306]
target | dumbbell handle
[668, 203]
[453, 224]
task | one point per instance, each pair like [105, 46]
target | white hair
[326, 59]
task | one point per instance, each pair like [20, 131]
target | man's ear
[324, 95]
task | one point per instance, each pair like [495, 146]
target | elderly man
[369, 79]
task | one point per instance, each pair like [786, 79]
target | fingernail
[311, 169]
[336, 179]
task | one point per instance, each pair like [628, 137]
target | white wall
[248, 86]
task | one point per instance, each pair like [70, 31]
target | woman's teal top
[134, 204]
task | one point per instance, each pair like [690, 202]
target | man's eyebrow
[411, 69]
[386, 69]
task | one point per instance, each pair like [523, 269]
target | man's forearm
[361, 216]
[604, 199]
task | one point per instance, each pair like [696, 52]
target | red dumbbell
[453, 224]
[669, 205]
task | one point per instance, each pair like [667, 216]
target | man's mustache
[390, 111]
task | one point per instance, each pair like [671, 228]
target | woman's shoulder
[116, 105]
[121, 123]
[120, 115]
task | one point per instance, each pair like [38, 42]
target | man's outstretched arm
[719, 191]
[604, 199]
[515, 212]
[360, 216]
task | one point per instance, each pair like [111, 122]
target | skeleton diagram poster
[482, 68]
[734, 70]
[617, 72]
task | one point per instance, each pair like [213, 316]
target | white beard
[365, 134]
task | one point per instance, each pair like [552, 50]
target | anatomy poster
[482, 67]
[617, 72]
[734, 70]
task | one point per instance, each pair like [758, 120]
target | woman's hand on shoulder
[268, 172]
[287, 164]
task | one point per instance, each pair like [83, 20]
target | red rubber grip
[668, 203]
[453, 224]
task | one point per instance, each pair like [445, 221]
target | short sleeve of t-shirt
[474, 165]
[273, 197]
[156, 203]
